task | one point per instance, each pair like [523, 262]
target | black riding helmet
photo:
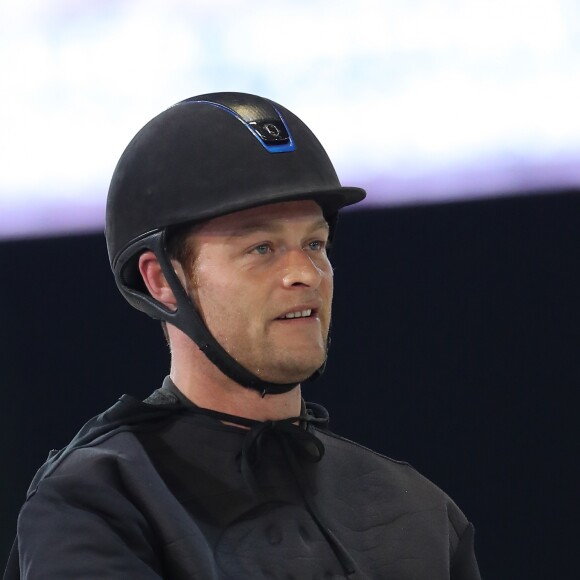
[205, 157]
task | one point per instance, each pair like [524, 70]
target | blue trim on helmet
[281, 148]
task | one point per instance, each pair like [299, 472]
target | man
[219, 220]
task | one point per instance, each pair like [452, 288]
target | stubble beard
[282, 366]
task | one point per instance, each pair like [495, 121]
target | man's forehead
[271, 216]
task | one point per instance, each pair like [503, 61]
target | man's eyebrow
[270, 227]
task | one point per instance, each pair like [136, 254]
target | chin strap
[186, 317]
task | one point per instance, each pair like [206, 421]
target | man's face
[263, 284]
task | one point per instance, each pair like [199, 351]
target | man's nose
[299, 269]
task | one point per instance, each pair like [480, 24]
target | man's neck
[206, 386]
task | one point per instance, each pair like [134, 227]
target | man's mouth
[299, 314]
[303, 313]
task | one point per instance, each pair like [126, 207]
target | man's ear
[155, 280]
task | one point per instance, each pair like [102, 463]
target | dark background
[455, 347]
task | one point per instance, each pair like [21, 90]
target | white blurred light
[423, 100]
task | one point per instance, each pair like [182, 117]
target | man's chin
[291, 373]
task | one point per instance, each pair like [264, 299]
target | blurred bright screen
[419, 101]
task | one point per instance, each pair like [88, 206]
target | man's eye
[262, 249]
[317, 245]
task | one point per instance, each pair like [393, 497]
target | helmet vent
[271, 132]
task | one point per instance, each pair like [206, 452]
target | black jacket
[163, 489]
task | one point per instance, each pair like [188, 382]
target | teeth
[303, 314]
